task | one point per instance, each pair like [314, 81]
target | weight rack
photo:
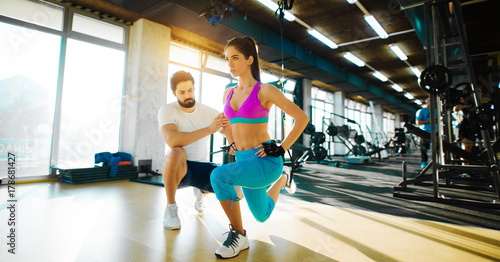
[448, 58]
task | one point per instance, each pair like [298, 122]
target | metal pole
[432, 57]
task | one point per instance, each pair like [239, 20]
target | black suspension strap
[280, 14]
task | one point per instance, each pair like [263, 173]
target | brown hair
[178, 77]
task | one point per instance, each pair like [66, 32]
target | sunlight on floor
[122, 221]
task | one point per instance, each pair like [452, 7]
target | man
[467, 133]
[186, 126]
[423, 119]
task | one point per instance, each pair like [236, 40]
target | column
[145, 91]
[306, 102]
[338, 108]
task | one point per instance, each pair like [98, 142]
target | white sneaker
[234, 243]
[290, 185]
[200, 202]
[170, 218]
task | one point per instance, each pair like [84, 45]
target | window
[217, 63]
[28, 86]
[66, 104]
[361, 114]
[267, 77]
[185, 55]
[274, 126]
[289, 88]
[212, 91]
[100, 29]
[91, 103]
[322, 114]
[389, 123]
[38, 13]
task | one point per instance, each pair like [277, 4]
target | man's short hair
[178, 77]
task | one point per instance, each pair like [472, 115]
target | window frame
[65, 34]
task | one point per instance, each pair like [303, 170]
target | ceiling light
[398, 52]
[354, 59]
[418, 102]
[322, 38]
[409, 96]
[352, 1]
[273, 6]
[397, 88]
[380, 76]
[376, 26]
[415, 71]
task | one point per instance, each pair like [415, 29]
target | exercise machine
[448, 59]
[359, 151]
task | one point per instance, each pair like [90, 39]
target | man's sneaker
[200, 202]
[423, 164]
[234, 243]
[290, 185]
[170, 218]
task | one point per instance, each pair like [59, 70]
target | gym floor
[344, 213]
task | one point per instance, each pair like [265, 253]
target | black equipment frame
[445, 29]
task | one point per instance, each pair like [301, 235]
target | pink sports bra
[250, 112]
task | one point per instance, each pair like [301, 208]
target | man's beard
[188, 103]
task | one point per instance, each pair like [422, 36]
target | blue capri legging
[254, 175]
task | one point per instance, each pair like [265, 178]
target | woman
[258, 161]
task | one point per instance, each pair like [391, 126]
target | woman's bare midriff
[248, 136]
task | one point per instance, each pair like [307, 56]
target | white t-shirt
[200, 118]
